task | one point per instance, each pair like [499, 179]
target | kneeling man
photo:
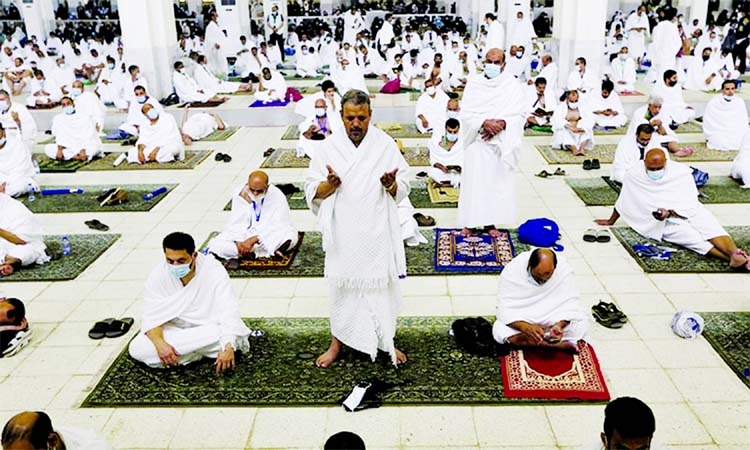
[190, 311]
[538, 304]
[260, 224]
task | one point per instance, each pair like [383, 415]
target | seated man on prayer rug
[75, 134]
[542, 104]
[538, 304]
[18, 76]
[199, 126]
[190, 311]
[88, 103]
[159, 141]
[430, 107]
[208, 82]
[446, 155]
[14, 328]
[631, 149]
[42, 91]
[671, 93]
[623, 72]
[658, 117]
[628, 424]
[659, 201]
[582, 79]
[260, 224]
[317, 128]
[725, 119]
[607, 107]
[16, 169]
[21, 242]
[272, 86]
[188, 90]
[135, 118]
[740, 169]
[703, 73]
[573, 125]
[34, 430]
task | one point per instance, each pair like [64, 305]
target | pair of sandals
[592, 164]
[544, 174]
[608, 315]
[111, 328]
[223, 157]
[592, 235]
[94, 224]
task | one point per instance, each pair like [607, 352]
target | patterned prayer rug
[291, 133]
[285, 158]
[191, 161]
[480, 253]
[272, 263]
[686, 128]
[208, 104]
[87, 202]
[682, 260]
[261, 104]
[729, 334]
[395, 130]
[85, 249]
[220, 135]
[47, 165]
[442, 195]
[553, 375]
[606, 154]
[279, 370]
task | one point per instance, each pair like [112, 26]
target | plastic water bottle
[37, 169]
[65, 245]
[32, 196]
[154, 193]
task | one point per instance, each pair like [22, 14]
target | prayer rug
[630, 93]
[279, 370]
[85, 249]
[208, 104]
[46, 140]
[402, 130]
[606, 154]
[272, 263]
[682, 260]
[47, 165]
[442, 195]
[297, 78]
[420, 260]
[553, 375]
[191, 161]
[729, 334]
[479, 253]
[87, 202]
[285, 158]
[603, 191]
[686, 128]
[291, 133]
[261, 104]
[220, 135]
[45, 106]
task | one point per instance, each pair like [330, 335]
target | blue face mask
[180, 270]
[491, 70]
[531, 279]
[152, 114]
[69, 110]
[4, 106]
[75, 92]
[656, 175]
[451, 137]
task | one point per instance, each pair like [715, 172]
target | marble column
[38, 17]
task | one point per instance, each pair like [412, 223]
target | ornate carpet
[85, 249]
[553, 375]
[395, 130]
[686, 128]
[280, 371]
[603, 191]
[683, 260]
[420, 260]
[263, 264]
[191, 161]
[606, 154]
[440, 195]
[481, 253]
[729, 334]
[221, 135]
[87, 201]
[286, 158]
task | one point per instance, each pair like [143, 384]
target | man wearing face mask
[190, 311]
[654, 114]
[318, 127]
[16, 170]
[573, 125]
[518, 65]
[63, 75]
[446, 155]
[135, 118]
[582, 79]
[725, 120]
[306, 64]
[623, 71]
[703, 73]
[430, 107]
[75, 135]
[260, 224]
[17, 120]
[43, 92]
[538, 303]
[159, 140]
[632, 148]
[659, 201]
[187, 89]
[88, 103]
[110, 84]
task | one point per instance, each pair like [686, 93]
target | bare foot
[494, 233]
[738, 259]
[400, 356]
[2, 187]
[327, 358]
[466, 232]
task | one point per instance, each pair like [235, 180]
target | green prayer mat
[47, 165]
[603, 191]
[406, 131]
[220, 135]
[683, 260]
[87, 202]
[285, 158]
[606, 154]
[85, 249]
[47, 140]
[280, 371]
[686, 128]
[191, 161]
[729, 334]
[420, 260]
[296, 78]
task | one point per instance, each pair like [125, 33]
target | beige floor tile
[437, 426]
[288, 427]
[193, 431]
[142, 427]
[709, 385]
[521, 425]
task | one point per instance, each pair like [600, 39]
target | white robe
[452, 157]
[82, 439]
[551, 74]
[637, 39]
[163, 134]
[639, 117]
[495, 36]
[521, 32]
[274, 89]
[666, 43]
[332, 124]
[306, 65]
[16, 169]
[562, 136]
[215, 56]
[188, 90]
[200, 125]
[135, 118]
[351, 78]
[698, 72]
[548, 103]
[89, 104]
[487, 184]
[725, 122]
[433, 109]
[198, 319]
[741, 165]
[629, 153]
[27, 129]
[522, 299]
[74, 132]
[209, 83]
[613, 102]
[362, 238]
[585, 83]
[623, 71]
[17, 219]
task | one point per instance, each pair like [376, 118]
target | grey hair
[655, 99]
[356, 97]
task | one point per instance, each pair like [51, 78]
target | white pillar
[150, 39]
[326, 6]
[699, 10]
[578, 30]
[38, 17]
[234, 17]
[507, 15]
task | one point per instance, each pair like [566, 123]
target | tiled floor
[698, 402]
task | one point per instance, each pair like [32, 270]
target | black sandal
[96, 225]
[219, 157]
[119, 327]
[100, 329]
[543, 174]
[604, 317]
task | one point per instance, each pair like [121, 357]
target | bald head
[495, 56]
[78, 84]
[453, 105]
[655, 159]
[320, 103]
[542, 264]
[257, 182]
[30, 430]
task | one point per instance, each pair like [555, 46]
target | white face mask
[152, 114]
[452, 114]
[623, 56]
[75, 92]
[451, 137]
[728, 97]
[430, 90]
[257, 198]
[573, 105]
[320, 112]
[656, 175]
[492, 70]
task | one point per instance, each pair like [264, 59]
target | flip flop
[268, 152]
[96, 225]
[615, 312]
[19, 341]
[219, 157]
[422, 174]
[99, 330]
[119, 327]
[603, 236]
[559, 172]
[543, 174]
[226, 158]
[589, 235]
[595, 164]
[604, 317]
[587, 164]
[424, 221]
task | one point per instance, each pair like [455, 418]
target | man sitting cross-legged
[21, 241]
[317, 128]
[190, 311]
[538, 303]
[654, 114]
[159, 141]
[75, 134]
[259, 225]
[725, 119]
[659, 201]
[446, 155]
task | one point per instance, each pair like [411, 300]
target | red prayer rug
[630, 93]
[553, 375]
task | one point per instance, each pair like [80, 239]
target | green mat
[407, 131]
[683, 260]
[686, 128]
[310, 258]
[47, 140]
[603, 192]
[220, 135]
[47, 165]
[280, 371]
[85, 249]
[729, 334]
[191, 161]
[606, 154]
[87, 201]
[285, 158]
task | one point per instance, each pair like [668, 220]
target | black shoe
[595, 165]
[587, 165]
